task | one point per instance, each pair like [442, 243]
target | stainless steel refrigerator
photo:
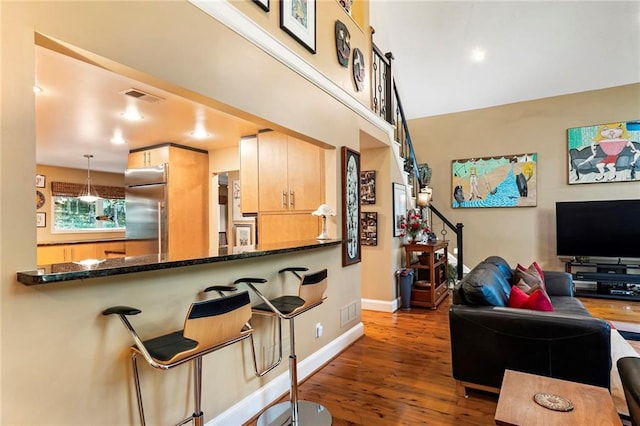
[146, 206]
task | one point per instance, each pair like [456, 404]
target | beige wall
[61, 361]
[63, 174]
[528, 233]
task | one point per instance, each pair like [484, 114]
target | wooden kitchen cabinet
[187, 194]
[287, 227]
[75, 252]
[148, 157]
[290, 174]
[249, 174]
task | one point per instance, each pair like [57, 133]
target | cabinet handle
[292, 199]
[284, 199]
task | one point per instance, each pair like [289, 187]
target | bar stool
[209, 325]
[311, 291]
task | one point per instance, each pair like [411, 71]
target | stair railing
[386, 103]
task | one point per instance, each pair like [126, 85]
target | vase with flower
[413, 226]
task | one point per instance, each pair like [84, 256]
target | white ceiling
[534, 50]
[81, 106]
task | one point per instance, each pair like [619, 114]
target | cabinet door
[110, 250]
[148, 157]
[305, 167]
[48, 255]
[273, 191]
[249, 175]
[79, 252]
[287, 227]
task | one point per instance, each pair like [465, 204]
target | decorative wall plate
[553, 402]
[343, 43]
[358, 69]
[39, 199]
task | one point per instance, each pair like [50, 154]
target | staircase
[386, 103]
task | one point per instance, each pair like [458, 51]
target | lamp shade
[424, 197]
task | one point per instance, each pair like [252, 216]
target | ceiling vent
[143, 96]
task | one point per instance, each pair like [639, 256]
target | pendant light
[88, 195]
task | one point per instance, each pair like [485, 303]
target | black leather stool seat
[285, 304]
[163, 348]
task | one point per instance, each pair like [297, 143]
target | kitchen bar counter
[93, 268]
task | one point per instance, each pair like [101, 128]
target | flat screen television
[598, 228]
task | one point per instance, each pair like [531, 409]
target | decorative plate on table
[553, 402]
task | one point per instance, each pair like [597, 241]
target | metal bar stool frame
[190, 350]
[311, 293]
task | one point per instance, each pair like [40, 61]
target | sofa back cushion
[502, 265]
[484, 285]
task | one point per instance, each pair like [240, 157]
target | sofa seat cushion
[569, 305]
[485, 285]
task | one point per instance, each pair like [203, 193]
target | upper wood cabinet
[148, 157]
[290, 174]
[249, 174]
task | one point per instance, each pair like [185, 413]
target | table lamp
[324, 211]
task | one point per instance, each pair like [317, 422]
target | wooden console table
[432, 272]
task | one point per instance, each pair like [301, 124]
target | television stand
[619, 281]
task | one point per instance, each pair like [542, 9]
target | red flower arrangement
[413, 225]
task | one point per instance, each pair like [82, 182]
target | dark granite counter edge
[34, 277]
[73, 242]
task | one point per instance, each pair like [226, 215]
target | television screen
[598, 228]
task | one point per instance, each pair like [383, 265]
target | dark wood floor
[399, 373]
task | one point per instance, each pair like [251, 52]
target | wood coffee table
[592, 404]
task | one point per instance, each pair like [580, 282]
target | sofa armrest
[487, 340]
[558, 283]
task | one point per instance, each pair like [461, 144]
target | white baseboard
[380, 305]
[250, 406]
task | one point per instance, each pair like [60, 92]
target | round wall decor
[39, 199]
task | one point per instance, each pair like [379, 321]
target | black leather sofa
[488, 337]
[629, 369]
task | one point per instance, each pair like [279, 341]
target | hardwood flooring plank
[399, 372]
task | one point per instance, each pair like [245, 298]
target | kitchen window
[70, 214]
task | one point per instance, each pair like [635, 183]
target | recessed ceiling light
[117, 137]
[478, 54]
[132, 115]
[37, 89]
[200, 132]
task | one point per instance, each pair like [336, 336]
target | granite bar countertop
[93, 268]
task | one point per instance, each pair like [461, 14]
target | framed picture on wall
[243, 235]
[41, 181]
[368, 187]
[350, 206]
[369, 228]
[399, 207]
[298, 19]
[497, 181]
[604, 153]
[41, 220]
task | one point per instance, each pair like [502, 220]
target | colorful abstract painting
[604, 153]
[502, 181]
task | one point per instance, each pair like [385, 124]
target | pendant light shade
[88, 194]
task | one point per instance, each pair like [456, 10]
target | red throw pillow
[538, 301]
[517, 297]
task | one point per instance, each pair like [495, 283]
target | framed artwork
[41, 181]
[368, 187]
[40, 199]
[399, 207]
[369, 228]
[41, 220]
[604, 153]
[243, 235]
[264, 4]
[350, 206]
[298, 19]
[500, 181]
